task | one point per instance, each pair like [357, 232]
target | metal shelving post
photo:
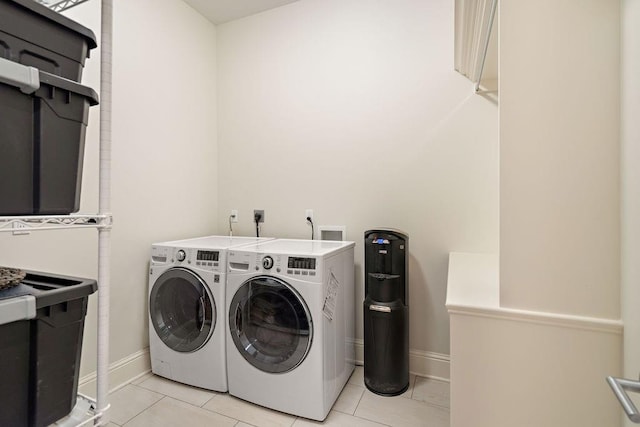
[104, 234]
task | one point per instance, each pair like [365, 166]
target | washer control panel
[188, 257]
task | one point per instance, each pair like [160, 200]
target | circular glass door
[270, 324]
[183, 312]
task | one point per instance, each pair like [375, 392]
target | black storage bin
[42, 146]
[34, 35]
[41, 355]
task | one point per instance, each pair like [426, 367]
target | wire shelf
[47, 222]
[59, 6]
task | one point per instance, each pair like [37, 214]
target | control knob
[180, 256]
[267, 262]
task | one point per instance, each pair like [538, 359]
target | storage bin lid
[71, 86]
[56, 17]
[51, 289]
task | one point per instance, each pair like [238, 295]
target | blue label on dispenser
[381, 241]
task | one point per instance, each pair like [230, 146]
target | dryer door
[182, 310]
[270, 324]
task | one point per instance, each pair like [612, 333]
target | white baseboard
[120, 373]
[422, 363]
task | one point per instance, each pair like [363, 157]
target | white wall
[537, 368]
[352, 108]
[531, 372]
[164, 160]
[546, 350]
[559, 151]
[630, 156]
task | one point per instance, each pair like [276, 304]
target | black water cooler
[386, 312]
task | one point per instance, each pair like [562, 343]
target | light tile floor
[152, 401]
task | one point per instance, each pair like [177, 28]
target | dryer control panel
[301, 266]
[301, 263]
[304, 268]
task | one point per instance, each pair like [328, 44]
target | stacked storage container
[41, 328]
[43, 118]
[42, 122]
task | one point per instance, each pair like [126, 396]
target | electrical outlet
[257, 212]
[234, 215]
[20, 229]
[308, 214]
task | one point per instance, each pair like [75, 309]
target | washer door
[270, 324]
[182, 310]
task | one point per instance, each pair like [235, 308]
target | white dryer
[187, 316]
[290, 340]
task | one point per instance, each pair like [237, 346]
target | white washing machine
[290, 339]
[187, 316]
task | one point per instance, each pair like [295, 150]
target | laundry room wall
[164, 161]
[352, 108]
[557, 326]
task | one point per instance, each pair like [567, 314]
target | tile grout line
[219, 413]
[148, 407]
[413, 387]
[435, 405]
[240, 421]
[252, 404]
[361, 418]
[178, 399]
[371, 421]
[412, 384]
[431, 403]
[359, 401]
[209, 400]
[364, 387]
